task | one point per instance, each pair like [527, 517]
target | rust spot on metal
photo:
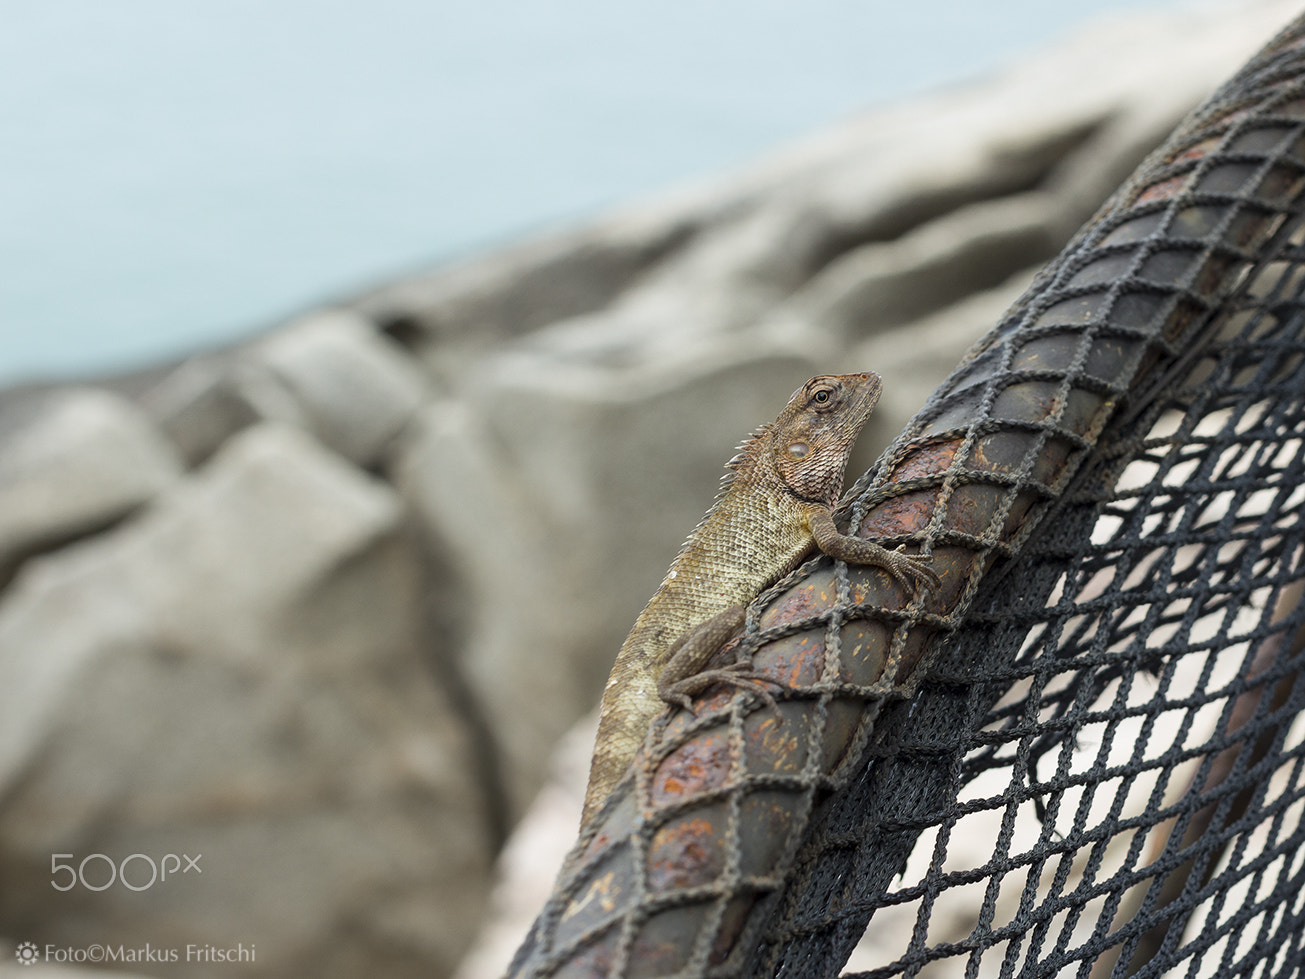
[1001, 451]
[1163, 190]
[774, 741]
[1136, 323]
[696, 766]
[927, 460]
[861, 657]
[902, 515]
[686, 852]
[600, 892]
[811, 597]
[1199, 149]
[795, 661]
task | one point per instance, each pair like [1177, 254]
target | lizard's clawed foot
[911, 571]
[738, 674]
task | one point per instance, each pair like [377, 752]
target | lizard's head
[814, 434]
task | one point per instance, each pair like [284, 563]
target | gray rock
[199, 406]
[484, 301]
[875, 287]
[240, 673]
[74, 461]
[330, 373]
[335, 375]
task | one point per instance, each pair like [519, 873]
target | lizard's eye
[821, 396]
[798, 450]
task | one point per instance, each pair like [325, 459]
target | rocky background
[319, 607]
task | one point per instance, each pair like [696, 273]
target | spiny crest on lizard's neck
[806, 448]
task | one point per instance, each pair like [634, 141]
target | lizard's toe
[912, 571]
[681, 700]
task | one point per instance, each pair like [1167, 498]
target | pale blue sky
[177, 175]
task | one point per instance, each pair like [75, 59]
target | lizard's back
[747, 541]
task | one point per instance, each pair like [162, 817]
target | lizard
[774, 508]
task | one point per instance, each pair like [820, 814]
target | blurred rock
[198, 406]
[239, 673]
[337, 377]
[330, 373]
[73, 462]
[10, 968]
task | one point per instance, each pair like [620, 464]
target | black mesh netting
[1083, 756]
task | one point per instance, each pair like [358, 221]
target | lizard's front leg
[910, 571]
[684, 674]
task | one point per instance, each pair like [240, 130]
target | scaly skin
[773, 510]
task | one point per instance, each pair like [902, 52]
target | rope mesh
[1081, 757]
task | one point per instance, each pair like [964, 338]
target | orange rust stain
[600, 890]
[928, 460]
[601, 841]
[864, 646]
[699, 764]
[1199, 149]
[776, 740]
[684, 853]
[906, 514]
[1239, 113]
[1163, 190]
[809, 598]
[795, 660]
